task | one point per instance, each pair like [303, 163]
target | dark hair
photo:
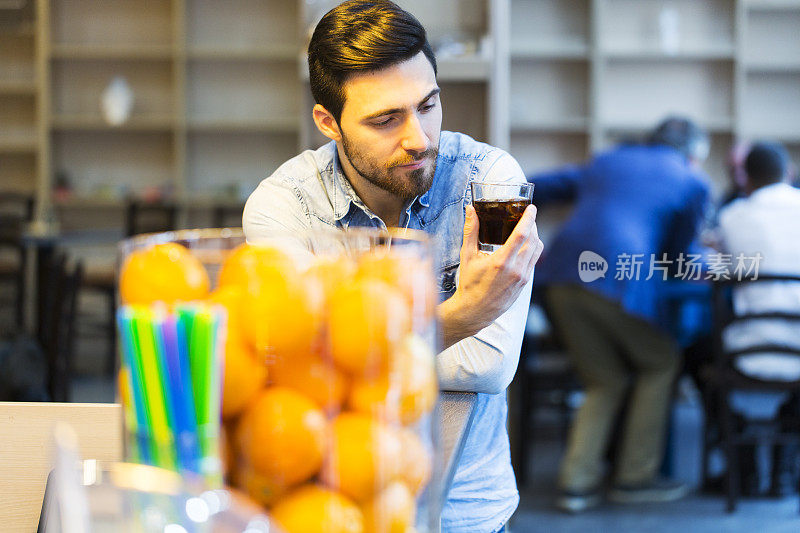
[360, 36]
[766, 163]
[682, 134]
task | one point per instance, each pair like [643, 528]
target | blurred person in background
[630, 203]
[766, 222]
[737, 177]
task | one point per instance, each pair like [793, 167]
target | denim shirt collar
[344, 198]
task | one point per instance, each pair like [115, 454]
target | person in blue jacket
[637, 208]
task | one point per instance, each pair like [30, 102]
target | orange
[367, 320]
[417, 460]
[391, 511]
[263, 489]
[317, 379]
[277, 312]
[165, 272]
[405, 394]
[314, 509]
[248, 263]
[244, 375]
[365, 456]
[411, 275]
[232, 299]
[281, 317]
[326, 273]
[281, 435]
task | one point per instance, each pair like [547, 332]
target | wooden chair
[724, 378]
[57, 328]
[26, 451]
[545, 378]
[140, 217]
[16, 211]
[227, 215]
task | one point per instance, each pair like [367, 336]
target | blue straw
[186, 425]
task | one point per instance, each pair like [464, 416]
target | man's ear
[326, 124]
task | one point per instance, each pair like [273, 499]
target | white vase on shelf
[117, 101]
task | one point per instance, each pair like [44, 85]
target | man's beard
[412, 183]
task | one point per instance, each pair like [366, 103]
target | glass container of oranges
[327, 383]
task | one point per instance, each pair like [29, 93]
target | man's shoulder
[304, 166]
[481, 159]
[735, 213]
[454, 146]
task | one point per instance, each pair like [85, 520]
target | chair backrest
[725, 316]
[58, 324]
[150, 217]
[16, 211]
[26, 451]
[227, 216]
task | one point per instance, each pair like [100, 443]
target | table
[455, 413]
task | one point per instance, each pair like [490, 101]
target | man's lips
[415, 165]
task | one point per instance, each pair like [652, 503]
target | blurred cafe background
[120, 117]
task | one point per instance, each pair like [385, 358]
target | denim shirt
[310, 192]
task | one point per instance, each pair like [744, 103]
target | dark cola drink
[498, 218]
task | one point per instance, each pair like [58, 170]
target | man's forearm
[486, 360]
[455, 323]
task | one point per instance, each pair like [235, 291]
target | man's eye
[384, 122]
[428, 107]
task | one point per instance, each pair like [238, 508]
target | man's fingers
[521, 233]
[469, 246]
[531, 249]
[532, 260]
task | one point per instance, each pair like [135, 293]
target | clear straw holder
[172, 340]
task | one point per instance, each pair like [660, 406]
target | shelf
[564, 50]
[773, 5]
[26, 29]
[18, 145]
[554, 125]
[784, 136]
[724, 53]
[763, 66]
[97, 123]
[112, 52]
[713, 125]
[88, 202]
[273, 125]
[18, 87]
[276, 52]
[470, 68]
[449, 69]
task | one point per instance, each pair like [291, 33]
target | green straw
[139, 384]
[154, 388]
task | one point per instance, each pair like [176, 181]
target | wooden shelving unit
[221, 89]
[588, 73]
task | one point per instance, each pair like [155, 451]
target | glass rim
[503, 183]
[194, 234]
[391, 233]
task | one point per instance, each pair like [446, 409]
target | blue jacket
[628, 201]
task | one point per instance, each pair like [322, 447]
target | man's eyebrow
[383, 112]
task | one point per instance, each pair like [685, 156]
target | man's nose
[414, 138]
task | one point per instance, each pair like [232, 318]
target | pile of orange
[326, 380]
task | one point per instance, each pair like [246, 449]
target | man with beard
[373, 76]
